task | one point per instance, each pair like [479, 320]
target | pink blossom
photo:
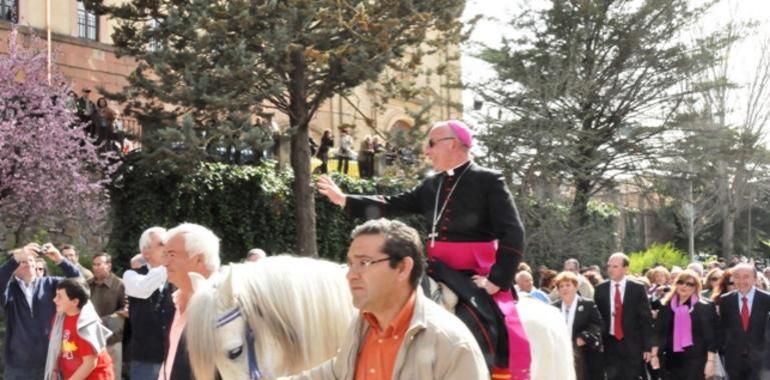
[49, 170]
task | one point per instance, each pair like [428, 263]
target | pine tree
[209, 60]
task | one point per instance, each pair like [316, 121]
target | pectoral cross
[433, 235]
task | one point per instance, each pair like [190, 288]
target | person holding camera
[28, 305]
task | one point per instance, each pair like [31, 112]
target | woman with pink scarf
[687, 331]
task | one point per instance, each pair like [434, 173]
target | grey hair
[144, 240]
[697, 268]
[573, 261]
[198, 240]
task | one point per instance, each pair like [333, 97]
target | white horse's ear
[198, 281]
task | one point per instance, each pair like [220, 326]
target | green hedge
[246, 206]
[658, 254]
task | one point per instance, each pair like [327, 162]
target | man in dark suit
[627, 322]
[743, 313]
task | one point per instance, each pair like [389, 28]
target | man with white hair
[743, 320]
[255, 254]
[150, 308]
[189, 248]
[525, 284]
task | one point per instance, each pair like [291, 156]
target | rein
[254, 372]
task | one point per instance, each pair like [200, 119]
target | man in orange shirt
[400, 333]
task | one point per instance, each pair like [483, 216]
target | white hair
[258, 252]
[522, 274]
[198, 240]
[144, 240]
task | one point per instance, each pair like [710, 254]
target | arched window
[9, 10]
[88, 23]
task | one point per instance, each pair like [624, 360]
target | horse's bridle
[254, 372]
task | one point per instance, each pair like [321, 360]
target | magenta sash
[479, 257]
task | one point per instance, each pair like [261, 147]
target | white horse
[295, 312]
[275, 317]
[550, 342]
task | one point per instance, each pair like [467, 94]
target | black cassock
[479, 209]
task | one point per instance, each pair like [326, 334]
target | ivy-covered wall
[246, 206]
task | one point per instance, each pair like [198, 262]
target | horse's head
[217, 333]
[280, 315]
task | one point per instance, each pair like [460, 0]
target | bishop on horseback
[473, 222]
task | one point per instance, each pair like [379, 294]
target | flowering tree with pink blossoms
[50, 172]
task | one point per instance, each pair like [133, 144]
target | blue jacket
[26, 330]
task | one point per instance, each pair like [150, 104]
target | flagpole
[48, 35]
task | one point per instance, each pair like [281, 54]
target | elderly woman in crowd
[584, 321]
[686, 331]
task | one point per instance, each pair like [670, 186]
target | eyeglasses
[364, 264]
[685, 283]
[432, 143]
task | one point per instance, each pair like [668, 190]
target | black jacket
[637, 317]
[736, 342]
[704, 330]
[587, 323]
[481, 209]
[150, 323]
[478, 310]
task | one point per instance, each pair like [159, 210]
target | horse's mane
[298, 308]
[550, 342]
[203, 310]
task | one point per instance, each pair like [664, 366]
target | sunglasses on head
[686, 283]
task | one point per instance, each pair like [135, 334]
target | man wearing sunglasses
[472, 219]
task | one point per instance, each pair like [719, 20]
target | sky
[490, 32]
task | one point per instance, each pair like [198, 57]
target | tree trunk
[579, 211]
[728, 235]
[724, 199]
[304, 201]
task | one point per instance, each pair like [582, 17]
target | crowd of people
[684, 323]
[100, 121]
[370, 152]
[704, 321]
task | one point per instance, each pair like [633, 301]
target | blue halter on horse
[254, 372]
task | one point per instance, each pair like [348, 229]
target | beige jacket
[437, 346]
